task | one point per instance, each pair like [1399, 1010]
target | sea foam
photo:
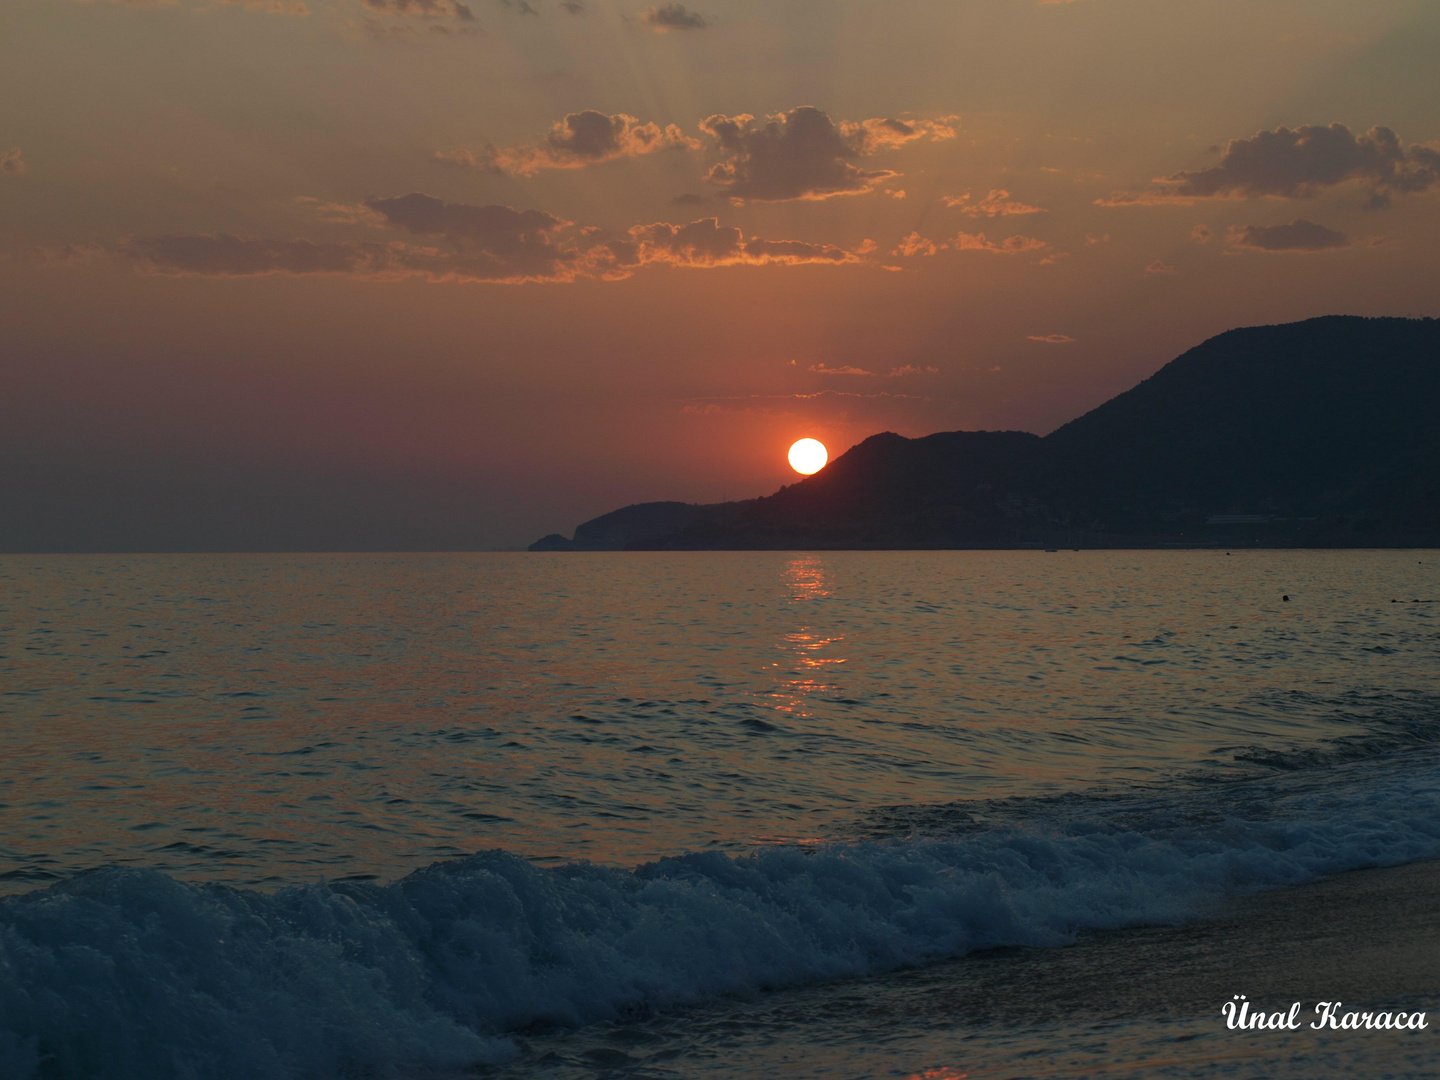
[129, 974]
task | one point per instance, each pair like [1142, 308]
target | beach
[1125, 1003]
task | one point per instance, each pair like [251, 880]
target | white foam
[130, 975]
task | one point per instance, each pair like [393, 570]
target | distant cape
[1318, 433]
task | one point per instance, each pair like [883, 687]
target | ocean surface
[526, 815]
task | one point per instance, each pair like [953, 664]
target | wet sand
[1140, 1002]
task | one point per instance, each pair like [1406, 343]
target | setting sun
[808, 456]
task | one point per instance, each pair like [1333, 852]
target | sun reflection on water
[807, 652]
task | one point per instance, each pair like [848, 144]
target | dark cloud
[583, 138]
[668, 17]
[488, 243]
[1301, 163]
[469, 243]
[12, 162]
[475, 243]
[423, 9]
[573, 7]
[1299, 235]
[803, 154]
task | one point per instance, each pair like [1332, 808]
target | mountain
[1318, 433]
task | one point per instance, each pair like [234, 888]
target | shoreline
[1143, 1001]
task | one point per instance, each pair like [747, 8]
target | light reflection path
[805, 578]
[272, 719]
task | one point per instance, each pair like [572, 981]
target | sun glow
[808, 456]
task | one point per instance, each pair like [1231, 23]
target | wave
[123, 974]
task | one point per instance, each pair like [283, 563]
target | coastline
[1135, 1002]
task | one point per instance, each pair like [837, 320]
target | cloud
[469, 243]
[12, 162]
[1201, 234]
[1011, 245]
[1050, 339]
[582, 138]
[423, 9]
[915, 244]
[1300, 164]
[573, 7]
[461, 242]
[1146, 198]
[706, 243]
[996, 204]
[1159, 267]
[342, 213]
[821, 369]
[894, 373]
[490, 243]
[881, 132]
[803, 154]
[669, 17]
[1299, 235]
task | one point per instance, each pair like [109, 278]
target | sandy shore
[1141, 1002]
[1365, 936]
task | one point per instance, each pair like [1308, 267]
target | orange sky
[435, 274]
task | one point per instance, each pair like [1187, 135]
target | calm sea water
[843, 763]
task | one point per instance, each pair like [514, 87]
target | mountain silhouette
[1318, 433]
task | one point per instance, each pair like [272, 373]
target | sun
[808, 456]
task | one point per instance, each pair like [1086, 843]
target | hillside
[1323, 432]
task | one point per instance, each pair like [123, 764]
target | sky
[433, 274]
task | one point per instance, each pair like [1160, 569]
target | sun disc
[808, 456]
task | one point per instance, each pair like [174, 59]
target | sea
[922, 815]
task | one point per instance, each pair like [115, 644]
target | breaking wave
[132, 975]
